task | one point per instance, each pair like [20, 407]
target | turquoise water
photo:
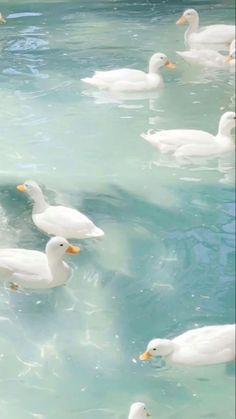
[166, 262]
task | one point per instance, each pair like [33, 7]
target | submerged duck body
[213, 34]
[178, 139]
[131, 80]
[58, 220]
[37, 270]
[210, 58]
[203, 346]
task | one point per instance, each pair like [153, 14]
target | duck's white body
[59, 220]
[206, 345]
[213, 34]
[209, 58]
[203, 346]
[37, 270]
[181, 140]
[138, 411]
[169, 140]
[131, 80]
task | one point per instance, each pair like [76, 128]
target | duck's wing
[66, 222]
[23, 262]
[216, 33]
[201, 343]
[177, 137]
[114, 76]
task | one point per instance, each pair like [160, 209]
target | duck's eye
[61, 244]
[154, 349]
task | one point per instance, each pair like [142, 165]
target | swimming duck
[138, 411]
[2, 19]
[171, 140]
[58, 220]
[215, 34]
[130, 80]
[37, 270]
[202, 346]
[209, 57]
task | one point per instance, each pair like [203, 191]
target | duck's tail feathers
[88, 80]
[97, 232]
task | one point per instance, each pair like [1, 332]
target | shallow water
[166, 262]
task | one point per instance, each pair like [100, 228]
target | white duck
[138, 411]
[203, 346]
[213, 34]
[2, 19]
[37, 270]
[130, 80]
[171, 140]
[58, 220]
[209, 57]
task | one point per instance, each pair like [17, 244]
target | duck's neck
[59, 269]
[193, 27]
[39, 205]
[153, 68]
[224, 138]
[224, 130]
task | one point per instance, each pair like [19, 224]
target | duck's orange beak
[170, 65]
[145, 356]
[181, 20]
[21, 188]
[229, 58]
[73, 249]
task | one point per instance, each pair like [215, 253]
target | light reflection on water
[166, 262]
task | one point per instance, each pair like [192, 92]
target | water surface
[166, 262]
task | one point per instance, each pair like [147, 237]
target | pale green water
[166, 262]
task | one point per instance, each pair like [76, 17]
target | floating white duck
[2, 19]
[203, 346]
[130, 80]
[213, 34]
[58, 220]
[209, 57]
[171, 140]
[138, 411]
[37, 270]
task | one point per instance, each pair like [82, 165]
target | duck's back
[215, 34]
[206, 345]
[121, 74]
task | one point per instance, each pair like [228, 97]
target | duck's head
[227, 122]
[157, 347]
[189, 16]
[2, 19]
[138, 411]
[159, 60]
[232, 52]
[58, 246]
[31, 188]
